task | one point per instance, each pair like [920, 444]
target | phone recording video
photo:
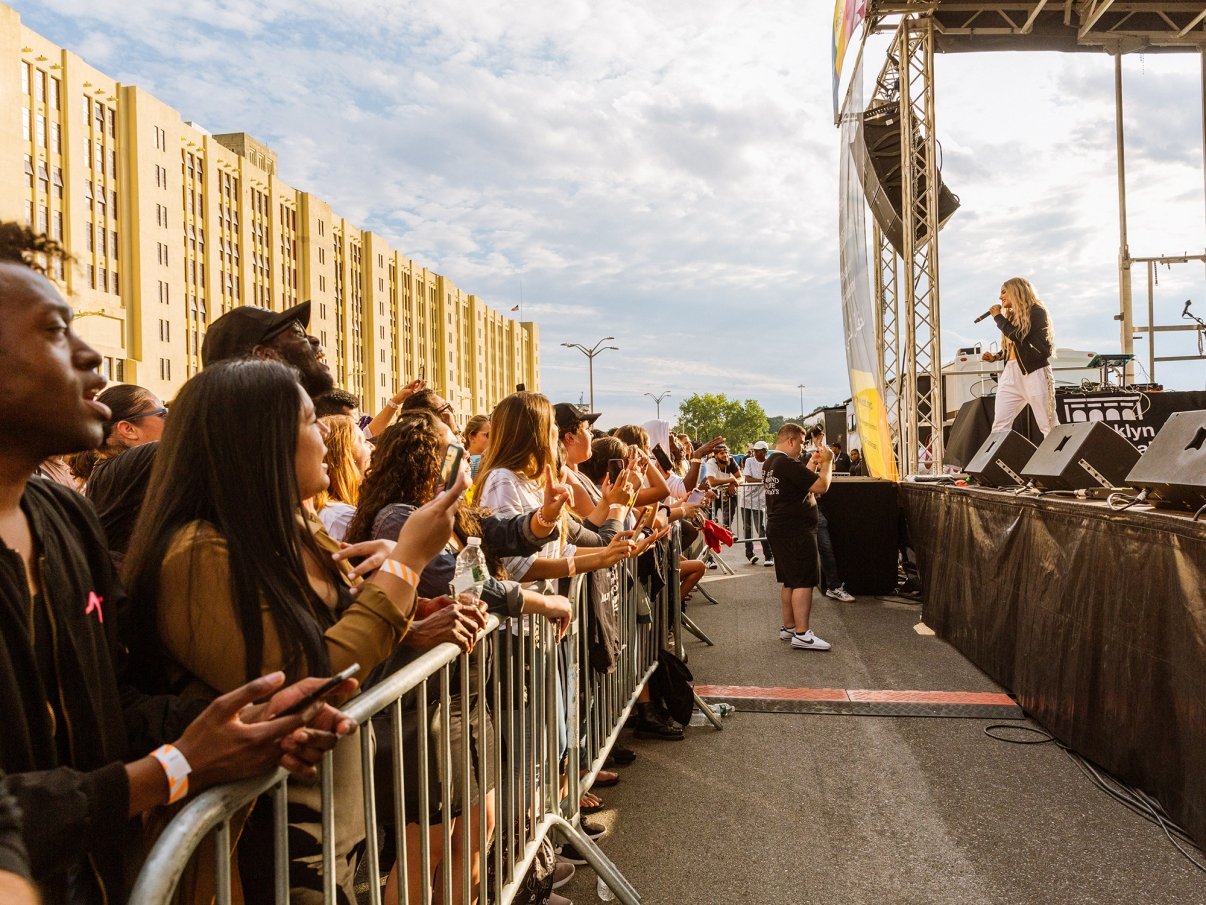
[452, 465]
[614, 468]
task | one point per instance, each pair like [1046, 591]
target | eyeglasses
[160, 412]
[446, 409]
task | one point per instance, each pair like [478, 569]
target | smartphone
[452, 465]
[322, 691]
[614, 467]
[696, 496]
[662, 459]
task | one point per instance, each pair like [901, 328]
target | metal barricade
[500, 720]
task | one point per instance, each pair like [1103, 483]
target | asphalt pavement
[801, 808]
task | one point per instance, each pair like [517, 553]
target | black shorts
[797, 561]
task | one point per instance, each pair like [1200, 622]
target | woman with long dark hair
[232, 580]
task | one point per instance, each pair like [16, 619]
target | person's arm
[698, 457]
[576, 561]
[385, 417]
[824, 472]
[656, 489]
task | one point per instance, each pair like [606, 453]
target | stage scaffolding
[907, 285]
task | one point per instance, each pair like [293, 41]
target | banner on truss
[858, 307]
[847, 16]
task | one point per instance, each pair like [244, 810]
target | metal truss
[909, 323]
[1117, 26]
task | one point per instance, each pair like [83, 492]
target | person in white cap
[753, 503]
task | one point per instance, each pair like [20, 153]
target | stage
[1094, 619]
[1136, 414]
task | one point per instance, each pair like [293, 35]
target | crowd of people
[175, 584]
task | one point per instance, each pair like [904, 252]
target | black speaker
[882, 180]
[1174, 467]
[1085, 454]
[1000, 460]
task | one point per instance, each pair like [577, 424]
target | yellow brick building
[171, 226]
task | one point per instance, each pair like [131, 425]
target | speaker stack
[882, 177]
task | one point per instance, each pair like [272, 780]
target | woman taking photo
[231, 581]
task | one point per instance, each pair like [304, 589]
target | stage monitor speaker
[1081, 455]
[1174, 467]
[881, 175]
[1000, 460]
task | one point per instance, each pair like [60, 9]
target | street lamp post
[657, 400]
[801, 386]
[590, 359]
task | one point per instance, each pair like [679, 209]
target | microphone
[982, 316]
[1185, 310]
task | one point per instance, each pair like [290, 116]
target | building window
[40, 86]
[25, 114]
[25, 78]
[54, 93]
[165, 369]
[56, 138]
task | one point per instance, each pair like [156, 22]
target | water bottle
[469, 576]
[603, 891]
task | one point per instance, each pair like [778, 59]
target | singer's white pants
[1016, 390]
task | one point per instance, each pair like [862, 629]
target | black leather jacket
[1034, 349]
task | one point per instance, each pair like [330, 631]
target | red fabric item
[716, 535]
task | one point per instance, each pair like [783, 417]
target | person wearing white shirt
[753, 504]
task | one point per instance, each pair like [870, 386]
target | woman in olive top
[234, 580]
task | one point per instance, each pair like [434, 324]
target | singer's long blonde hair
[1022, 299]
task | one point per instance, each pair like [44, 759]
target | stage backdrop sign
[858, 311]
[1137, 416]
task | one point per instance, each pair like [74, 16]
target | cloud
[665, 173]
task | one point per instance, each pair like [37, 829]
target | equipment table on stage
[1094, 619]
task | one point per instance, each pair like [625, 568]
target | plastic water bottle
[603, 891]
[469, 576]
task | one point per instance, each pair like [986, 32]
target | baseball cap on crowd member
[569, 416]
[279, 335]
[761, 444]
[237, 332]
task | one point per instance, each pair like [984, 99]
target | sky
[667, 173]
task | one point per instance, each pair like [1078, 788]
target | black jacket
[1034, 349]
[75, 810]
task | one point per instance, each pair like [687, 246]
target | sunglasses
[161, 412]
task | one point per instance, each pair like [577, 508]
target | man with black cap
[251, 332]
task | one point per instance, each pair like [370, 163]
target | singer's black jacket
[1034, 349]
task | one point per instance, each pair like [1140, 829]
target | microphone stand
[1201, 329]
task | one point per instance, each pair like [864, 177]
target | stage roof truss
[1115, 26]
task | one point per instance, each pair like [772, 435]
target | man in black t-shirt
[791, 528]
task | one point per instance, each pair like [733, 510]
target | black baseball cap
[237, 332]
[569, 416]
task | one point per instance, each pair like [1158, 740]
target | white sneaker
[785, 634]
[809, 641]
[562, 873]
[753, 560]
[840, 593]
[770, 563]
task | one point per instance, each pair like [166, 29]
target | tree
[706, 415]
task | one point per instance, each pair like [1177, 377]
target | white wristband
[176, 768]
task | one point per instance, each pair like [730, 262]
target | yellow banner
[871, 415]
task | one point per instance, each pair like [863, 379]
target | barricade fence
[468, 762]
